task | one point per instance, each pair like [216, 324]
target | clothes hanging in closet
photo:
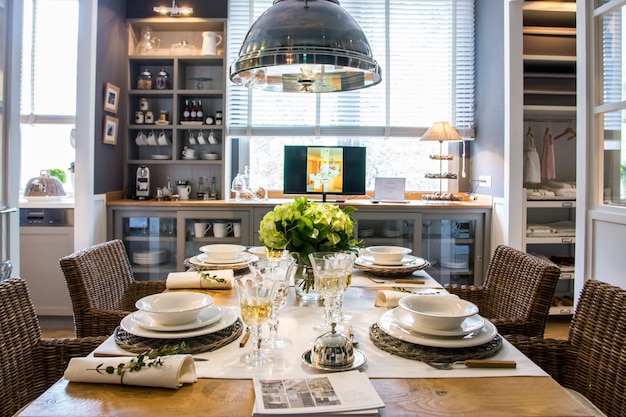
[548, 165]
[532, 166]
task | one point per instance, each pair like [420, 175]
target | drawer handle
[567, 240]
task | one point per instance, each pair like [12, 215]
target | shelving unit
[184, 67]
[549, 59]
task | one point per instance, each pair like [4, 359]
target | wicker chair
[30, 364]
[592, 361]
[102, 287]
[516, 294]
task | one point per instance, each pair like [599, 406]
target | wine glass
[330, 272]
[341, 316]
[279, 270]
[255, 299]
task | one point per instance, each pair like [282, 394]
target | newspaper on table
[343, 393]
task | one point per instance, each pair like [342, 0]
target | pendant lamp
[306, 46]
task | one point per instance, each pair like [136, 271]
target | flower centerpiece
[304, 227]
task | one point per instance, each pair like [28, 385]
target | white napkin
[389, 298]
[194, 279]
[175, 371]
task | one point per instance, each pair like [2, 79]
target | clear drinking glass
[341, 316]
[279, 270]
[255, 299]
[330, 271]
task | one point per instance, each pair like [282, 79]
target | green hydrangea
[305, 227]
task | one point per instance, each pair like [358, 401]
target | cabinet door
[388, 228]
[206, 227]
[150, 240]
[453, 244]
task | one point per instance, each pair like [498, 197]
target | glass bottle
[187, 112]
[162, 80]
[200, 192]
[194, 111]
[200, 112]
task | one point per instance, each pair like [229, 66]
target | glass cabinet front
[150, 240]
[450, 243]
[212, 227]
[388, 229]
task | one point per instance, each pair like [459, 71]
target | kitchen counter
[482, 202]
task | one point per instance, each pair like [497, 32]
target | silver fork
[473, 363]
[376, 281]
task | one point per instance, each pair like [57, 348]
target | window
[426, 52]
[610, 103]
[48, 91]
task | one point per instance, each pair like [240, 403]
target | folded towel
[389, 298]
[221, 279]
[175, 371]
[533, 228]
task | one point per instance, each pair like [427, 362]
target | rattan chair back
[596, 367]
[28, 363]
[516, 293]
[102, 287]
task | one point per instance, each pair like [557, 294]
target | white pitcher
[210, 41]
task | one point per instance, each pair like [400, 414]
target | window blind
[426, 52]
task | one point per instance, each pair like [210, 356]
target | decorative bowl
[174, 308]
[222, 252]
[387, 254]
[439, 313]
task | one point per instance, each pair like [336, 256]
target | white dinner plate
[482, 336]
[129, 325]
[242, 257]
[207, 316]
[407, 259]
[157, 156]
[469, 325]
[415, 263]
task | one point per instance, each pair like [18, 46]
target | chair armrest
[139, 289]
[470, 293]
[99, 322]
[56, 353]
[550, 354]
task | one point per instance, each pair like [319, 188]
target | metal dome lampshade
[307, 46]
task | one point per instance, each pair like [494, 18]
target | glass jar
[218, 117]
[143, 104]
[144, 81]
[162, 80]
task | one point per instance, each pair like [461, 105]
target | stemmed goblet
[279, 270]
[330, 271]
[255, 299]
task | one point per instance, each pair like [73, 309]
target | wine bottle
[200, 112]
[187, 112]
[194, 111]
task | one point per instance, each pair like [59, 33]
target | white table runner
[297, 324]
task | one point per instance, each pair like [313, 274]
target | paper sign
[389, 189]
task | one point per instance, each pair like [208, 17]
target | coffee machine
[142, 188]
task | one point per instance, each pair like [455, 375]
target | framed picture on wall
[111, 98]
[109, 135]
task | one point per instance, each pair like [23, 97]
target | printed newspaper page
[326, 393]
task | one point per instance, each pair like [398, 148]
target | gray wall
[488, 149]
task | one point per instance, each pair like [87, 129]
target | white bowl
[174, 308]
[439, 313]
[387, 254]
[260, 251]
[222, 252]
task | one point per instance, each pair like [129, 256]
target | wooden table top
[499, 396]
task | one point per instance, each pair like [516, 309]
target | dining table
[407, 387]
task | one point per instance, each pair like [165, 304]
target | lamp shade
[307, 46]
[442, 132]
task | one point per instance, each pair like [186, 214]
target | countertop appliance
[46, 235]
[142, 189]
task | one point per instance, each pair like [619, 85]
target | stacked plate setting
[222, 256]
[205, 317]
[389, 261]
[149, 257]
[442, 320]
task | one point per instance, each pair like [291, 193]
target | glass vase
[304, 281]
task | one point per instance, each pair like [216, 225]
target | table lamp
[443, 132]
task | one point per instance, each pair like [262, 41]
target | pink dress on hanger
[548, 166]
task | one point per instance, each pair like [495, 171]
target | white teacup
[189, 153]
[162, 139]
[191, 138]
[201, 139]
[237, 229]
[212, 138]
[141, 139]
[222, 229]
[152, 141]
[201, 229]
[183, 191]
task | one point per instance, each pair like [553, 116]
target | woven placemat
[237, 268]
[417, 352]
[381, 271]
[197, 344]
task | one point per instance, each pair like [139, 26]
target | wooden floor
[58, 327]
